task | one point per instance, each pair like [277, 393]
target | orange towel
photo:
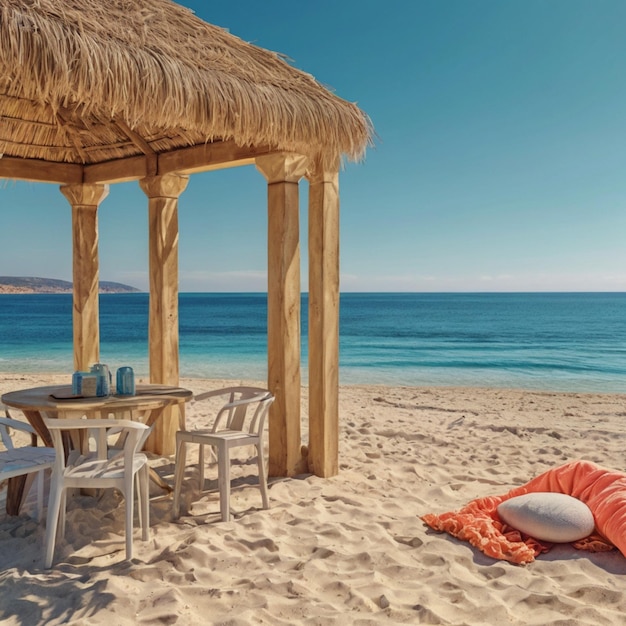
[602, 490]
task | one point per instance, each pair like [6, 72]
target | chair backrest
[5, 432]
[98, 431]
[235, 414]
[7, 423]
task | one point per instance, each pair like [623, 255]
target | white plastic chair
[244, 414]
[98, 468]
[23, 460]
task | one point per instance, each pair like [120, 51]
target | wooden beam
[118, 171]
[185, 161]
[323, 455]
[283, 311]
[163, 193]
[69, 130]
[136, 138]
[209, 156]
[37, 171]
[84, 200]
[152, 162]
[201, 158]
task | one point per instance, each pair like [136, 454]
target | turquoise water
[560, 341]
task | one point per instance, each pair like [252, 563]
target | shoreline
[340, 550]
[66, 378]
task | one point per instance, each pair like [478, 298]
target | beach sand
[345, 550]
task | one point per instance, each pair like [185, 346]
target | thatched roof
[87, 81]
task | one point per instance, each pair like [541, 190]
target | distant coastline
[32, 284]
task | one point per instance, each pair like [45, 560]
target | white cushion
[547, 516]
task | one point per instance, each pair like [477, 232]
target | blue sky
[499, 164]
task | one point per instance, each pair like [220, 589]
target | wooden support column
[283, 171]
[163, 193]
[323, 456]
[85, 199]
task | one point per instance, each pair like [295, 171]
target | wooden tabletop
[59, 398]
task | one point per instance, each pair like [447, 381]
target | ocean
[551, 341]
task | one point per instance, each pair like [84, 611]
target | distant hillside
[29, 284]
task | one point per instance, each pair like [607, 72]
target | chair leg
[144, 505]
[138, 492]
[62, 512]
[201, 467]
[54, 511]
[130, 503]
[262, 476]
[39, 480]
[223, 479]
[181, 453]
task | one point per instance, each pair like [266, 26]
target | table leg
[36, 421]
[159, 481]
[15, 494]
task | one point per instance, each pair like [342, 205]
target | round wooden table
[149, 405]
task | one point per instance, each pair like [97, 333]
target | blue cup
[125, 381]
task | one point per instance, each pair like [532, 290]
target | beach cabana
[94, 93]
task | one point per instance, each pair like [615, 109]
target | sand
[345, 550]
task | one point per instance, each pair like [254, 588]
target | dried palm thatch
[87, 81]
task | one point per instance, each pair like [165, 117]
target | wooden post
[163, 193]
[283, 171]
[323, 456]
[85, 200]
